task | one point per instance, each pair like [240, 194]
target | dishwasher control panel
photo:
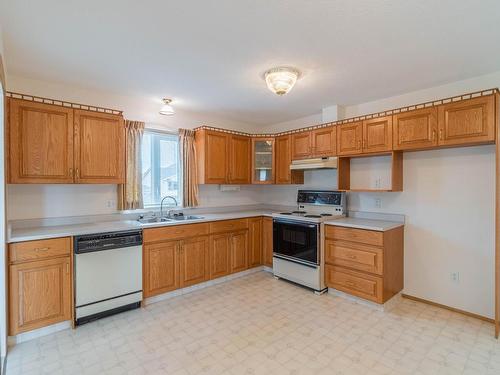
[106, 241]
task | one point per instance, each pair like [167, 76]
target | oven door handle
[296, 223]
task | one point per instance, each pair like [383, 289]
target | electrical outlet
[378, 183]
[455, 277]
[110, 203]
[378, 203]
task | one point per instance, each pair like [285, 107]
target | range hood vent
[318, 163]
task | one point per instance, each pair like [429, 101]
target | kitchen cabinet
[240, 163]
[415, 130]
[467, 122]
[324, 142]
[239, 251]
[99, 148]
[223, 158]
[40, 284]
[377, 134]
[263, 161]
[365, 263]
[267, 241]
[54, 144]
[301, 145]
[40, 143]
[220, 255]
[350, 138]
[283, 160]
[194, 261]
[161, 268]
[254, 241]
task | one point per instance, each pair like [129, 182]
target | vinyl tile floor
[258, 325]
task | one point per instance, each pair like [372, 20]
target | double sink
[155, 219]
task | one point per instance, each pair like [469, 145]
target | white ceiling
[209, 54]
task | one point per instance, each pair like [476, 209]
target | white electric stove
[297, 237]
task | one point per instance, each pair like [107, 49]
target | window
[160, 168]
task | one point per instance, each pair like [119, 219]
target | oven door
[296, 241]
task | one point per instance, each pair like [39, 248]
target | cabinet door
[283, 160]
[99, 148]
[240, 162]
[161, 268]
[194, 263]
[216, 157]
[377, 134]
[255, 242]
[301, 145]
[40, 143]
[239, 251]
[263, 161]
[349, 138]
[220, 255]
[467, 122]
[324, 142]
[415, 129]
[267, 241]
[39, 294]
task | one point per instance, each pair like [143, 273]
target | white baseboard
[189, 289]
[389, 305]
[39, 332]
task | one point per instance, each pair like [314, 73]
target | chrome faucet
[161, 205]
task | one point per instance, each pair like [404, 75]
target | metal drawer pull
[42, 248]
[350, 283]
[351, 256]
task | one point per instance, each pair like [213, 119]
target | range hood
[318, 163]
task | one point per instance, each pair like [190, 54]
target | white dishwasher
[108, 274]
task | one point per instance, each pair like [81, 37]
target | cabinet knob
[434, 134]
[441, 134]
[77, 173]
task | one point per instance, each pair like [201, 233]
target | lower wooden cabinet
[254, 242]
[194, 263]
[267, 241]
[40, 291]
[220, 255]
[239, 251]
[161, 268]
[364, 263]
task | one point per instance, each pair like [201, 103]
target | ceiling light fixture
[167, 109]
[281, 80]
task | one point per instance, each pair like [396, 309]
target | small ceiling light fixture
[280, 80]
[167, 109]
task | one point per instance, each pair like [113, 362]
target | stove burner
[313, 216]
[285, 213]
[298, 212]
[325, 214]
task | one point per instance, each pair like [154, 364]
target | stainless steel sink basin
[151, 220]
[187, 217]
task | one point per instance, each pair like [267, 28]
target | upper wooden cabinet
[301, 145]
[377, 134]
[240, 162]
[350, 138]
[54, 144]
[223, 158]
[315, 143]
[40, 143]
[324, 142]
[263, 161]
[415, 129]
[283, 160]
[469, 121]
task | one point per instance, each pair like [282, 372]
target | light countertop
[369, 224]
[53, 231]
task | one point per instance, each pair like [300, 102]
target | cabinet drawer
[354, 255]
[356, 283]
[228, 225]
[369, 237]
[174, 232]
[33, 250]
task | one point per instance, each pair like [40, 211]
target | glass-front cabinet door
[263, 161]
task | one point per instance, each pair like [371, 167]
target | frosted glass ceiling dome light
[281, 80]
[167, 109]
